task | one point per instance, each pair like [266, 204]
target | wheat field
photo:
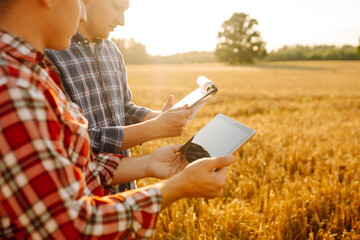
[298, 177]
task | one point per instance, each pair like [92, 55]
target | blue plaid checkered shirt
[97, 82]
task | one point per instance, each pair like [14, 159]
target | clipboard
[197, 98]
[204, 98]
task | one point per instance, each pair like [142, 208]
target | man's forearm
[170, 190]
[130, 168]
[138, 133]
[159, 125]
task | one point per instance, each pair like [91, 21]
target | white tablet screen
[222, 136]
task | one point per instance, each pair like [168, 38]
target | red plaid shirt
[50, 185]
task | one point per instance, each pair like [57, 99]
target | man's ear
[47, 3]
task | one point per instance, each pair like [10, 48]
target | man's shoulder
[110, 44]
[111, 47]
[10, 67]
[14, 74]
[4, 70]
[69, 54]
[3, 63]
[51, 52]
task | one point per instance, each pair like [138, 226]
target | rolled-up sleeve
[134, 114]
[106, 139]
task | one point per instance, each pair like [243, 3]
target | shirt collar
[81, 39]
[19, 48]
[23, 51]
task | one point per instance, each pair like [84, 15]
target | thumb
[176, 148]
[221, 162]
[185, 107]
[169, 103]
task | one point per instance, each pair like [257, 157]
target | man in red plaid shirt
[51, 186]
[93, 73]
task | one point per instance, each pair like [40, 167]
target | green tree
[238, 42]
[358, 48]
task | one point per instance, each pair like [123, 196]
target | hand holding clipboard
[197, 98]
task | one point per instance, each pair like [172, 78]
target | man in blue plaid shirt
[93, 73]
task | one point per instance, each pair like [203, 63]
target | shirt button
[79, 42]
[86, 41]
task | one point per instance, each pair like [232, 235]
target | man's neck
[83, 30]
[24, 27]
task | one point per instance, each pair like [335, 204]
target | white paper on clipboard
[197, 98]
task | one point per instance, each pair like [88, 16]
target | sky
[167, 27]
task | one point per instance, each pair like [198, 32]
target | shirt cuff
[145, 205]
[111, 139]
[107, 165]
[135, 114]
[143, 113]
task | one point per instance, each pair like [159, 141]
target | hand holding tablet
[221, 136]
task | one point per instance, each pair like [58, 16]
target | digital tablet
[222, 135]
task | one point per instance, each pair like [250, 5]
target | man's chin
[103, 36]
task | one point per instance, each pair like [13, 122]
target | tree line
[239, 43]
[319, 52]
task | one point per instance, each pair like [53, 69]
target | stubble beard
[96, 31]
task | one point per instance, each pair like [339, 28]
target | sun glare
[168, 27]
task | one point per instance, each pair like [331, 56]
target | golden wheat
[298, 177]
